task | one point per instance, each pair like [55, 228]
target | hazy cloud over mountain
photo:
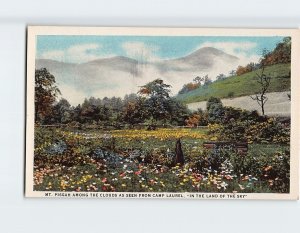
[120, 75]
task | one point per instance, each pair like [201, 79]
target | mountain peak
[211, 51]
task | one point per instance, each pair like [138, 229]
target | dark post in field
[179, 159]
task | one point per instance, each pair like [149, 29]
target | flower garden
[140, 160]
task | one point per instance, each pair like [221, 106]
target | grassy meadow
[236, 86]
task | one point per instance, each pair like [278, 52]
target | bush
[196, 119]
[233, 124]
[230, 95]
[215, 110]
[277, 171]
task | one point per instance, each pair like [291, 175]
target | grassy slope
[242, 85]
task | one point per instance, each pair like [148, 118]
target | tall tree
[45, 93]
[157, 100]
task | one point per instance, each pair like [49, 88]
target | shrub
[230, 94]
[277, 171]
[233, 124]
[215, 110]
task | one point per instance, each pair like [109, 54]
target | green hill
[242, 85]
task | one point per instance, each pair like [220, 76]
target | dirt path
[277, 104]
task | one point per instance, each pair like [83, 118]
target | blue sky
[80, 49]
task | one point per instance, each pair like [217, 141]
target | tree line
[280, 55]
[151, 105]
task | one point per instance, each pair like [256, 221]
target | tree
[221, 77]
[133, 112]
[45, 93]
[198, 80]
[62, 112]
[264, 81]
[207, 80]
[232, 73]
[281, 53]
[179, 112]
[189, 87]
[157, 102]
[215, 109]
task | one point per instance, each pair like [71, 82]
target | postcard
[175, 113]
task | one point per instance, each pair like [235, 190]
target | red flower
[138, 172]
[104, 180]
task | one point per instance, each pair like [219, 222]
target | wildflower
[241, 187]
[268, 168]
[152, 181]
[224, 185]
[137, 173]
[104, 180]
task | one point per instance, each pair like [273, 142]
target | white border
[33, 31]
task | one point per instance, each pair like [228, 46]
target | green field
[242, 85]
[141, 161]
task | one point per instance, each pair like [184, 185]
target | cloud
[57, 55]
[141, 51]
[76, 54]
[83, 53]
[74, 95]
[242, 50]
[231, 47]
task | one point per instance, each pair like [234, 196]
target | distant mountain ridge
[119, 75]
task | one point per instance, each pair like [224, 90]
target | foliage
[133, 112]
[159, 106]
[189, 87]
[61, 112]
[221, 77]
[140, 161]
[153, 106]
[281, 54]
[269, 131]
[279, 73]
[197, 83]
[45, 94]
[197, 118]
[233, 124]
[248, 68]
[215, 109]
[230, 94]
